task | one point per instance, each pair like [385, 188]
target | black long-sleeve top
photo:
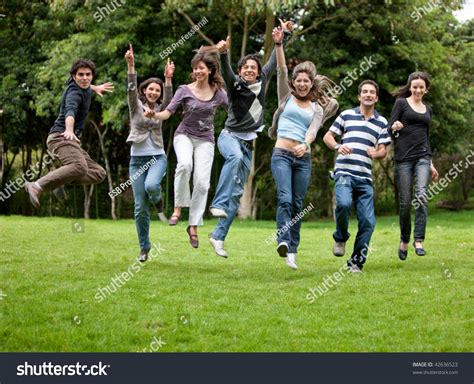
[412, 141]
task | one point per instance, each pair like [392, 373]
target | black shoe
[143, 255]
[419, 251]
[402, 255]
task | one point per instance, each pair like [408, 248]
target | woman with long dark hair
[147, 156]
[409, 128]
[194, 138]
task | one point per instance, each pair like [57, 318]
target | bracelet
[307, 145]
[278, 44]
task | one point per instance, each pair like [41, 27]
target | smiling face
[302, 84]
[368, 95]
[201, 72]
[249, 71]
[418, 89]
[152, 93]
[83, 77]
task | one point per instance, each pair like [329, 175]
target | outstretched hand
[129, 57]
[286, 25]
[222, 45]
[100, 89]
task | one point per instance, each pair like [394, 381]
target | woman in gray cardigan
[295, 125]
[147, 155]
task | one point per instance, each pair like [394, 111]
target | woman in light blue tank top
[295, 125]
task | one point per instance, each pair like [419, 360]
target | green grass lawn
[193, 300]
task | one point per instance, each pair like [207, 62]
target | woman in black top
[409, 127]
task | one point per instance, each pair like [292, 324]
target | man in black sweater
[64, 137]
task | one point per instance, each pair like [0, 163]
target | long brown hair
[405, 90]
[320, 90]
[210, 57]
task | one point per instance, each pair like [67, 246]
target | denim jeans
[234, 174]
[292, 175]
[349, 190]
[408, 172]
[146, 188]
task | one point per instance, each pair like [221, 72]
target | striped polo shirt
[359, 134]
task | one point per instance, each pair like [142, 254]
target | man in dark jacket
[64, 137]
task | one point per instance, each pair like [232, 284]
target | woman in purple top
[194, 138]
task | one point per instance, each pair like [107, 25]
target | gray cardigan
[140, 126]
[284, 93]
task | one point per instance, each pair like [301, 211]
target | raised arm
[282, 71]
[132, 91]
[227, 72]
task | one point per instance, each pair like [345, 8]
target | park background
[54, 262]
[40, 39]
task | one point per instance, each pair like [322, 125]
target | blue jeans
[234, 174]
[146, 188]
[349, 190]
[408, 172]
[291, 176]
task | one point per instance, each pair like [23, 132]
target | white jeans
[191, 151]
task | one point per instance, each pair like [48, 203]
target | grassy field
[51, 270]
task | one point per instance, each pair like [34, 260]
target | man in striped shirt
[364, 137]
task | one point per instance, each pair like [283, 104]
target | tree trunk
[107, 167]
[88, 192]
[248, 201]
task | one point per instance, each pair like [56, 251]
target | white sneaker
[282, 249]
[217, 212]
[218, 246]
[355, 269]
[291, 261]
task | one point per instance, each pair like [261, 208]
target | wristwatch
[337, 146]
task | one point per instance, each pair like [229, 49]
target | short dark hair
[251, 56]
[371, 82]
[82, 63]
[144, 85]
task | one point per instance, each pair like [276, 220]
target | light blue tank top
[294, 121]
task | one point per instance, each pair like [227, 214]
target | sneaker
[217, 212]
[354, 269]
[218, 246]
[143, 255]
[282, 249]
[339, 249]
[159, 209]
[33, 192]
[291, 261]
